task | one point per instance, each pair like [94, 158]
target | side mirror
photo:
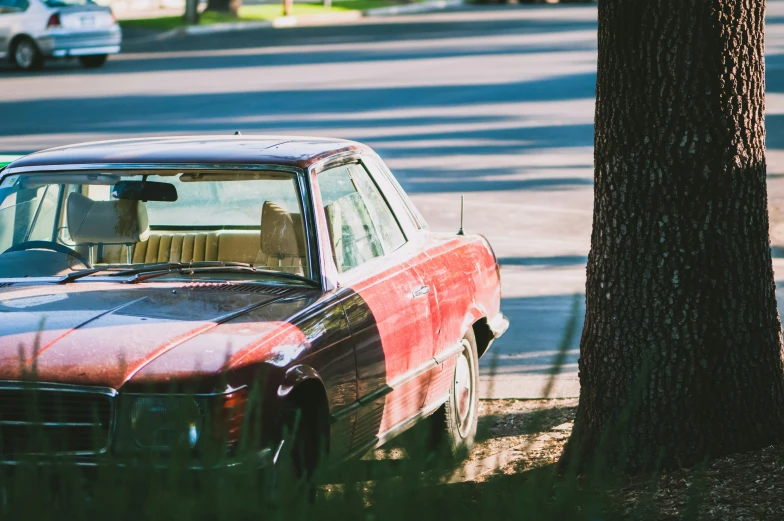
[145, 191]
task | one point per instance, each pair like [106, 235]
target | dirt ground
[512, 436]
[528, 432]
[747, 486]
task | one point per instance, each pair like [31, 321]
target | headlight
[165, 422]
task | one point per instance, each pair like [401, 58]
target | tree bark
[680, 356]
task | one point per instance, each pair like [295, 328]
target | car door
[432, 274]
[10, 13]
[384, 299]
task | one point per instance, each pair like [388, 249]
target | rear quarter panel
[467, 282]
[468, 289]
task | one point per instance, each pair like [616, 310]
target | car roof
[293, 151]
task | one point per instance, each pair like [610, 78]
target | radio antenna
[462, 211]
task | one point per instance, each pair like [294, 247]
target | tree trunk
[225, 6]
[681, 348]
[191, 12]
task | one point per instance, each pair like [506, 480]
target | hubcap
[24, 54]
[463, 393]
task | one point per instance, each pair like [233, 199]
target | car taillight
[54, 21]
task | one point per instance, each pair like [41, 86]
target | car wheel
[303, 445]
[26, 55]
[461, 409]
[451, 430]
[93, 61]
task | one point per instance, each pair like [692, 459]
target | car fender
[474, 313]
[18, 36]
[297, 375]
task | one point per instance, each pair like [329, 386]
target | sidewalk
[165, 23]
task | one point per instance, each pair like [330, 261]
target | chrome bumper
[81, 44]
[86, 51]
[259, 460]
[498, 325]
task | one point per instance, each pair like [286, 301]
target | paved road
[495, 103]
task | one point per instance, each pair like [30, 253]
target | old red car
[149, 287]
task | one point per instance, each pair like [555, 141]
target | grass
[252, 13]
[159, 486]
[6, 159]
[413, 490]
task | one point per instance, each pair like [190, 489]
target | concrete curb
[420, 7]
[306, 21]
[221, 28]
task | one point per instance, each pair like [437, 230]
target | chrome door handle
[421, 291]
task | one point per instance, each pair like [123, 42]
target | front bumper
[259, 460]
[61, 45]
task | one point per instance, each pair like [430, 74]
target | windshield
[54, 223]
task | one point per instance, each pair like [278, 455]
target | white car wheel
[26, 55]
[452, 428]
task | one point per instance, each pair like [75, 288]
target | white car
[32, 31]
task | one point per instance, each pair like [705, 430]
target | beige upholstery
[106, 222]
[282, 237]
[279, 245]
[335, 227]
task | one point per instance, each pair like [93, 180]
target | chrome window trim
[391, 197]
[340, 159]
[330, 278]
[419, 220]
[11, 169]
[311, 230]
[361, 157]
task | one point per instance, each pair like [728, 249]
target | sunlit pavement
[494, 103]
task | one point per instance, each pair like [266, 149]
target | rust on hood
[107, 334]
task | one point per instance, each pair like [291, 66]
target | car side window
[13, 6]
[361, 224]
[392, 193]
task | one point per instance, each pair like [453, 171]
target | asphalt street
[495, 103]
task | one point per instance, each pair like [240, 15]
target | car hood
[109, 333]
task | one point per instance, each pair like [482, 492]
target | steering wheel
[49, 245]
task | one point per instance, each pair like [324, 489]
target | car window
[393, 195]
[13, 6]
[122, 218]
[28, 215]
[43, 225]
[196, 202]
[361, 224]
